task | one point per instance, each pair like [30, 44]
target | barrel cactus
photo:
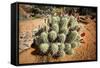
[43, 47]
[61, 46]
[55, 19]
[74, 44]
[62, 37]
[37, 41]
[61, 53]
[73, 23]
[64, 21]
[64, 30]
[55, 27]
[72, 36]
[44, 37]
[67, 47]
[70, 52]
[53, 49]
[52, 36]
[78, 37]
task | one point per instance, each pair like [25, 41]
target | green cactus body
[49, 19]
[70, 52]
[54, 48]
[73, 23]
[67, 47]
[61, 46]
[55, 19]
[55, 27]
[43, 47]
[62, 37]
[72, 36]
[78, 38]
[64, 21]
[64, 30]
[52, 36]
[61, 53]
[74, 44]
[44, 37]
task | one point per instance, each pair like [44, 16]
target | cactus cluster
[60, 39]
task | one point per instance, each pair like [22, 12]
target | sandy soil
[87, 50]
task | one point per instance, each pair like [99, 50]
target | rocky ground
[87, 50]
